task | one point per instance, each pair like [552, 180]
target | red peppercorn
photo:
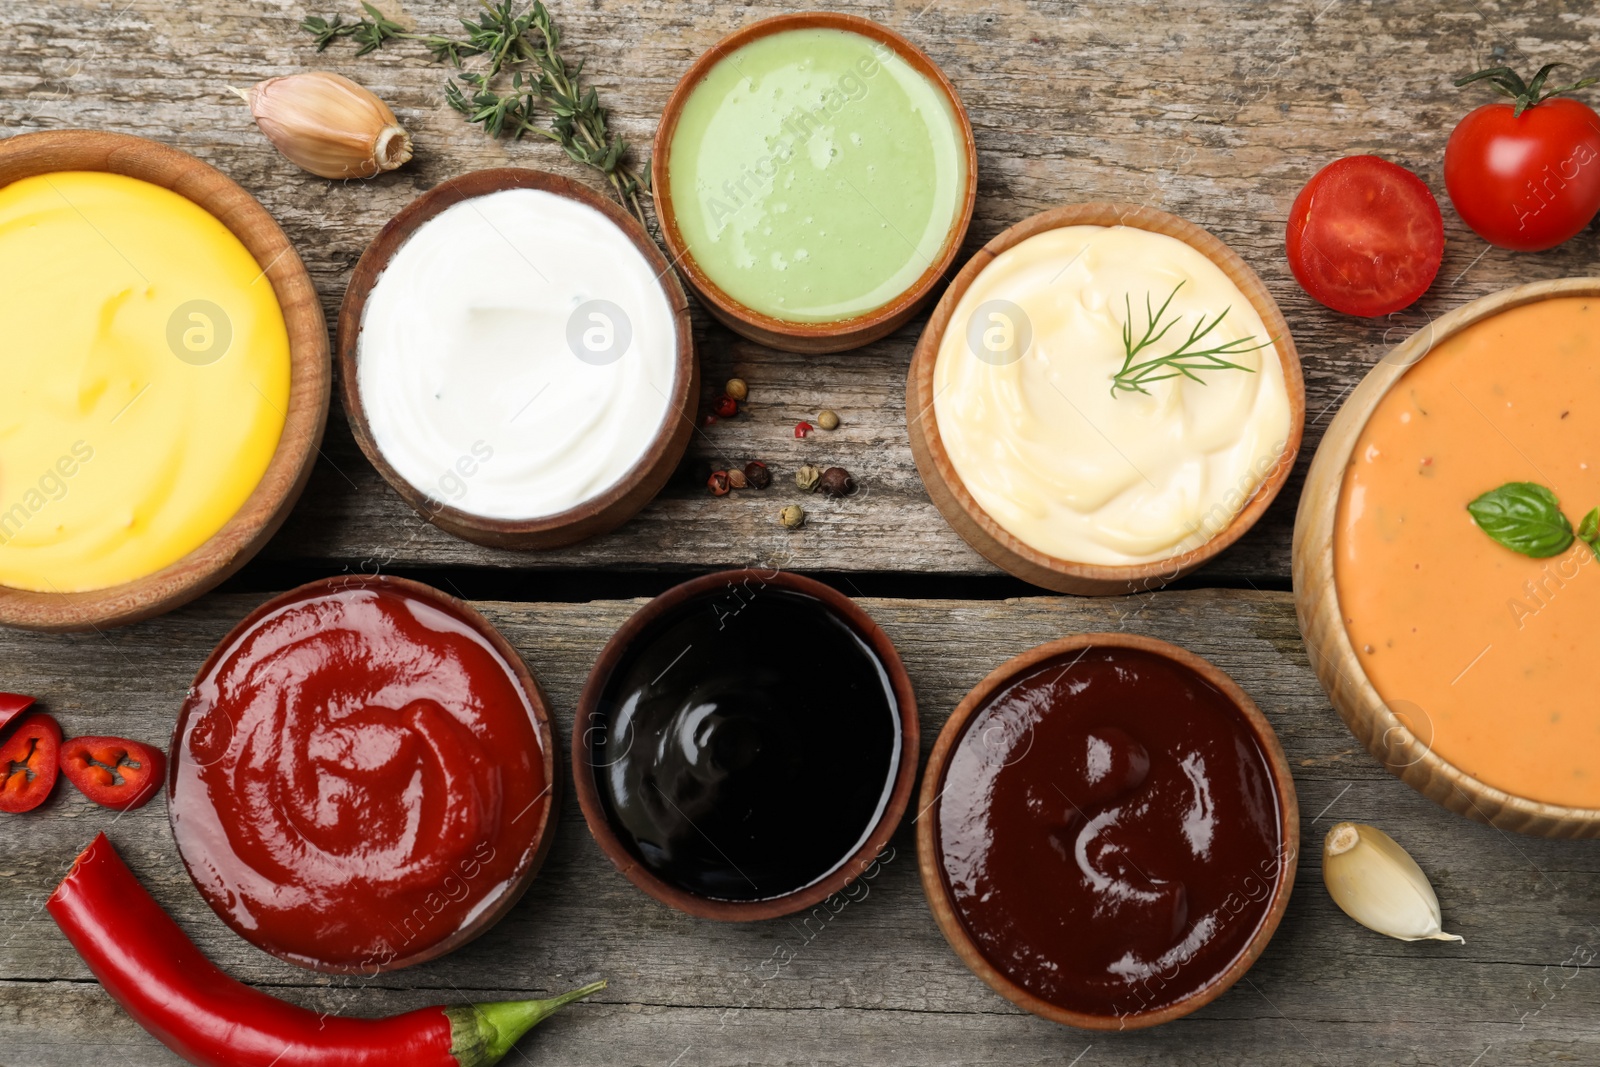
[802, 428]
[726, 407]
[718, 483]
[708, 420]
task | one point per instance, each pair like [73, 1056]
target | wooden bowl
[505, 898]
[976, 526]
[930, 860]
[600, 514]
[242, 536]
[1316, 595]
[778, 333]
[585, 728]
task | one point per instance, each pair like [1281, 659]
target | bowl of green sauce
[814, 175]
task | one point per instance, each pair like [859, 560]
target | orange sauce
[1490, 656]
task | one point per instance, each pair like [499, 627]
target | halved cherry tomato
[1525, 175]
[12, 705]
[112, 771]
[1365, 236]
[28, 763]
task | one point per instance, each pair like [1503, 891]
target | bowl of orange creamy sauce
[1469, 668]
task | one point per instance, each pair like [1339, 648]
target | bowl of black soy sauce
[746, 745]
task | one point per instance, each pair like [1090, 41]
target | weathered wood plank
[1217, 111]
[693, 992]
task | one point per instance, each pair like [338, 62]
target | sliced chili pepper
[156, 973]
[112, 771]
[28, 768]
[12, 705]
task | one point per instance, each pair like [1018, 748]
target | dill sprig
[1184, 360]
[521, 41]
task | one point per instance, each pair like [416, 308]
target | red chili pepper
[803, 428]
[112, 771]
[12, 705]
[28, 768]
[726, 407]
[156, 973]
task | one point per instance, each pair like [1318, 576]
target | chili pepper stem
[482, 1034]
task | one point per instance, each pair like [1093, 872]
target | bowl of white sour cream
[517, 361]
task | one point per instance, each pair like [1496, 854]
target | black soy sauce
[746, 744]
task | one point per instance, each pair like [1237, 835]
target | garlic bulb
[328, 125]
[1379, 885]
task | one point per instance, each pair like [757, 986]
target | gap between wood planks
[584, 585]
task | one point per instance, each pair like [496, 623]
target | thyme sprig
[1184, 360]
[520, 40]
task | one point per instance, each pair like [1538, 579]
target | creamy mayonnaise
[516, 356]
[1023, 402]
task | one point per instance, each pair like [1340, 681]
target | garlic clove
[327, 124]
[1379, 885]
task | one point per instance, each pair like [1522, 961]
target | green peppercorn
[792, 516]
[807, 477]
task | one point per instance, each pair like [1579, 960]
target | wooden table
[1213, 110]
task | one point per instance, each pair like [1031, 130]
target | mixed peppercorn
[832, 481]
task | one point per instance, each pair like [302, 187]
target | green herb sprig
[522, 41]
[1184, 360]
[1526, 517]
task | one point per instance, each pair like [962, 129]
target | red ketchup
[1109, 831]
[357, 775]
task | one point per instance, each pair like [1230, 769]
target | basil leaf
[1589, 531]
[1525, 517]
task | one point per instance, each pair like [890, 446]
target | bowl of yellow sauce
[167, 378]
[1456, 641]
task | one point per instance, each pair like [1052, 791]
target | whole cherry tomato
[1525, 175]
[1365, 236]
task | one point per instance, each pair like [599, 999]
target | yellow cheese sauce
[146, 379]
[1488, 655]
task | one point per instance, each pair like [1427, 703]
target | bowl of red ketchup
[363, 776]
[1110, 831]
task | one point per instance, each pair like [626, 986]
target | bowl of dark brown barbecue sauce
[1112, 831]
[746, 745]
